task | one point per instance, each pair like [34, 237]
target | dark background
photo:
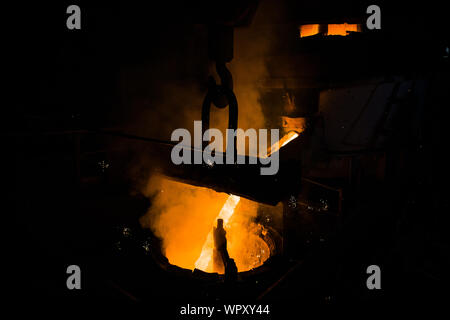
[67, 80]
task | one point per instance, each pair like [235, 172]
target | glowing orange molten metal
[182, 215]
[227, 211]
[283, 141]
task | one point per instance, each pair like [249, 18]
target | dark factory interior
[362, 179]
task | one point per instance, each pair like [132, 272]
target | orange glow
[227, 211]
[283, 141]
[308, 30]
[183, 216]
[288, 138]
[342, 29]
[335, 29]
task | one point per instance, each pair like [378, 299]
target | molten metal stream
[207, 250]
[283, 141]
[227, 211]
